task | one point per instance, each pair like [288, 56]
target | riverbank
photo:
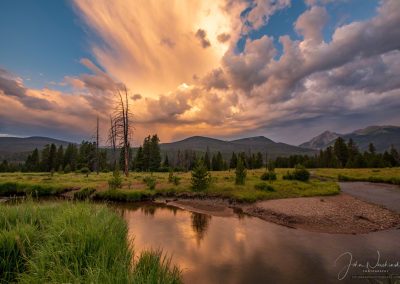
[340, 214]
[63, 242]
[135, 187]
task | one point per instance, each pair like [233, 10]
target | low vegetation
[299, 173]
[385, 175]
[73, 243]
[133, 188]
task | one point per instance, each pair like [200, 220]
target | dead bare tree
[112, 140]
[121, 129]
[97, 146]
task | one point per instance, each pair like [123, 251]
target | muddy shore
[340, 214]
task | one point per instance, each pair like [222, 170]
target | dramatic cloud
[202, 37]
[186, 75]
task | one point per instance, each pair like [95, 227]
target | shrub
[173, 178]
[116, 180]
[268, 175]
[84, 193]
[150, 182]
[300, 173]
[240, 172]
[67, 169]
[86, 171]
[271, 166]
[264, 186]
[201, 178]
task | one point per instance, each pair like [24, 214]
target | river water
[244, 249]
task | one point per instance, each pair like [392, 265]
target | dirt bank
[342, 214]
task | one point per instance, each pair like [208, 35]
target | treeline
[148, 158]
[343, 155]
[51, 159]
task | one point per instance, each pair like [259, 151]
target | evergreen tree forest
[343, 155]
[148, 158]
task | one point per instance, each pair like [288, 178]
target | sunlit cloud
[186, 75]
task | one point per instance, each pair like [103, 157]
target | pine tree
[395, 157]
[146, 153]
[155, 153]
[201, 178]
[71, 157]
[60, 158]
[207, 160]
[258, 161]
[44, 162]
[240, 173]
[219, 162]
[341, 152]
[214, 165]
[52, 157]
[139, 159]
[233, 161]
[352, 154]
[166, 162]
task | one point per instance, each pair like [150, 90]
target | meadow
[383, 175]
[67, 242]
[136, 187]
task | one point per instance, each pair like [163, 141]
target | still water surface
[244, 249]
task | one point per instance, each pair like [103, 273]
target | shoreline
[328, 214]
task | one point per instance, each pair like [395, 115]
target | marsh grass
[133, 188]
[382, 175]
[73, 243]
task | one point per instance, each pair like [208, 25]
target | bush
[173, 178]
[269, 175]
[116, 180]
[201, 178]
[67, 169]
[84, 193]
[86, 171]
[271, 166]
[264, 186]
[240, 172]
[300, 173]
[150, 182]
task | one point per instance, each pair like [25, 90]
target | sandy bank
[342, 214]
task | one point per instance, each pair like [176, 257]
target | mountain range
[250, 144]
[383, 137]
[17, 149]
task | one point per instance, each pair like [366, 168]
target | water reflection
[200, 224]
[249, 250]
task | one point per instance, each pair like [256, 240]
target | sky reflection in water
[242, 249]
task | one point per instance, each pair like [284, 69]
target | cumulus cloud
[13, 86]
[213, 89]
[310, 24]
[224, 37]
[201, 35]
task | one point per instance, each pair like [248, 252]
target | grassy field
[134, 187]
[385, 175]
[73, 243]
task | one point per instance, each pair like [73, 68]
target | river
[243, 249]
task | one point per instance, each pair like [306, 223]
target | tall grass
[24, 189]
[73, 243]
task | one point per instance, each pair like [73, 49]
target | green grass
[134, 188]
[383, 175]
[12, 188]
[73, 243]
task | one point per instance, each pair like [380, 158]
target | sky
[284, 69]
